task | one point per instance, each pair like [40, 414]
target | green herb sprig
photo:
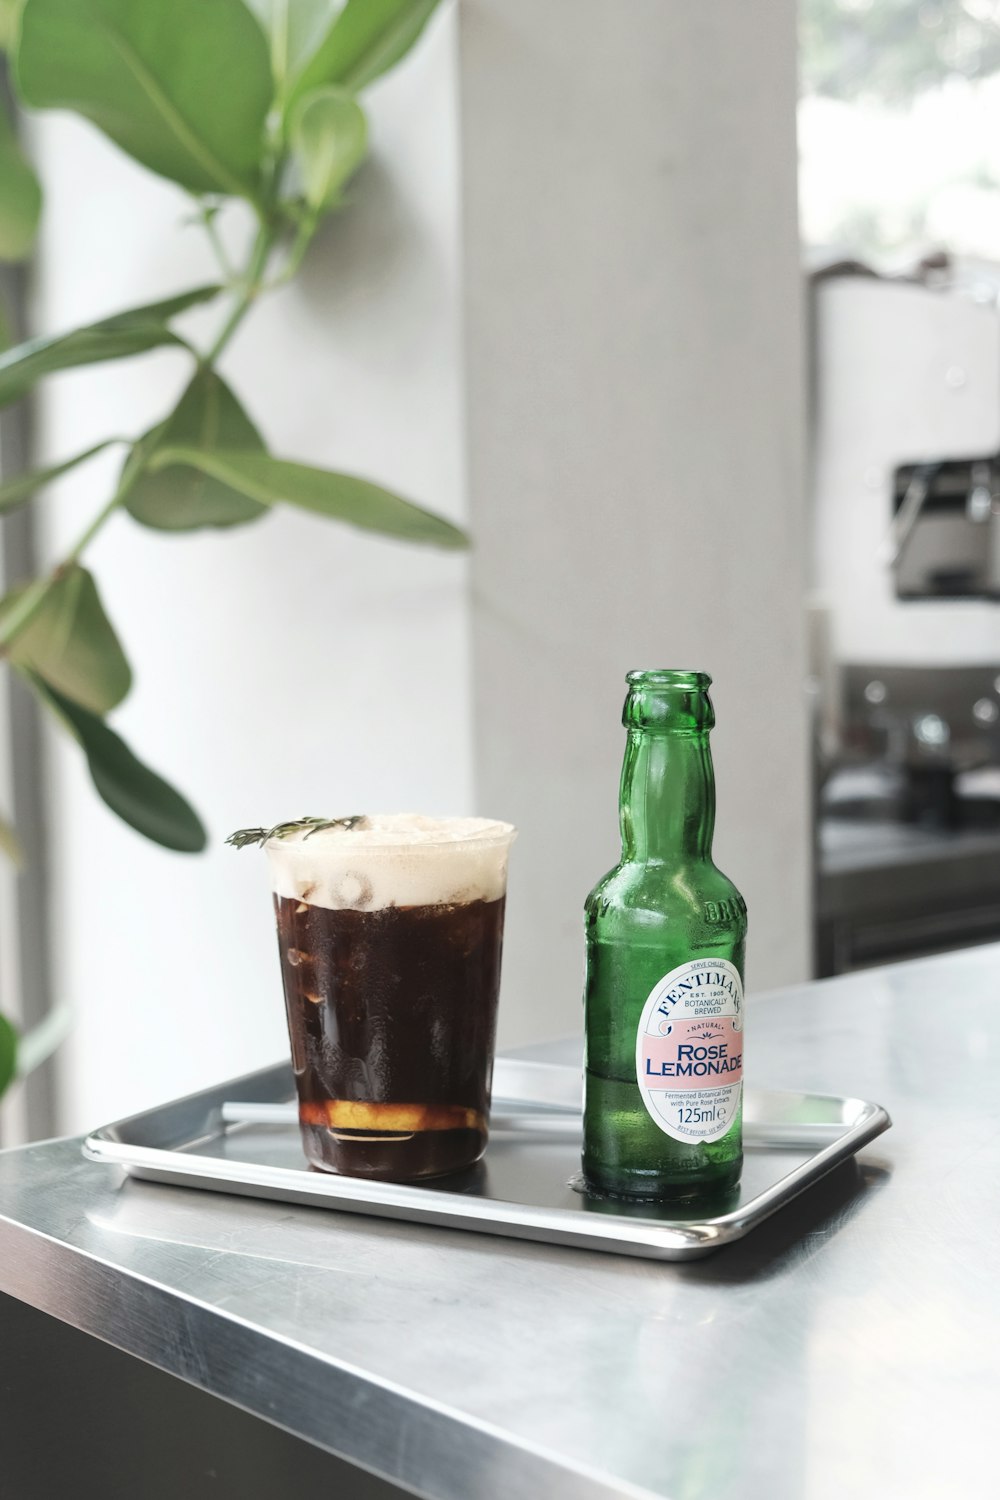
[243, 837]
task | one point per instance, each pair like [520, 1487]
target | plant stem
[212, 230]
[91, 531]
[252, 282]
[300, 245]
[31, 601]
[41, 1041]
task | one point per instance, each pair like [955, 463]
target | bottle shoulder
[648, 895]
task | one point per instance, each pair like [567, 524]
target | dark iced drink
[390, 937]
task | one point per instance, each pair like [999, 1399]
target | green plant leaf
[341, 497]
[27, 363]
[131, 332]
[20, 195]
[10, 844]
[163, 310]
[181, 498]
[294, 29]
[330, 135]
[70, 643]
[8, 1053]
[138, 795]
[16, 491]
[367, 38]
[184, 86]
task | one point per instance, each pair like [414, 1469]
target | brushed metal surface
[847, 1347]
[528, 1186]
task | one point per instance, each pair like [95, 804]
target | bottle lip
[670, 677]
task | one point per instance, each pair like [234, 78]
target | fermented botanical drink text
[665, 934]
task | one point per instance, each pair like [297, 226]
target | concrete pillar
[635, 411]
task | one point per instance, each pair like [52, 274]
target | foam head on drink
[390, 934]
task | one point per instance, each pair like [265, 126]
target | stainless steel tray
[527, 1186]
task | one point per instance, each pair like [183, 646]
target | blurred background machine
[906, 613]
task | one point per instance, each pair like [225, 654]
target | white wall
[635, 436]
[288, 667]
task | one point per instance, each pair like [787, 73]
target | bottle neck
[667, 797]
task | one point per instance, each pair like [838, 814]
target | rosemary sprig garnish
[245, 836]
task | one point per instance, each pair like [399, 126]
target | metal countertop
[847, 1347]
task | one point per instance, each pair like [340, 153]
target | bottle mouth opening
[668, 677]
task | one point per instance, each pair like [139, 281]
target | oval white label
[689, 1050]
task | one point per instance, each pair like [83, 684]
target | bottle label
[689, 1050]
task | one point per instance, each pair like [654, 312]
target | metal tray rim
[657, 1239]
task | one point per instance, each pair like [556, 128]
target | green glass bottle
[666, 933]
